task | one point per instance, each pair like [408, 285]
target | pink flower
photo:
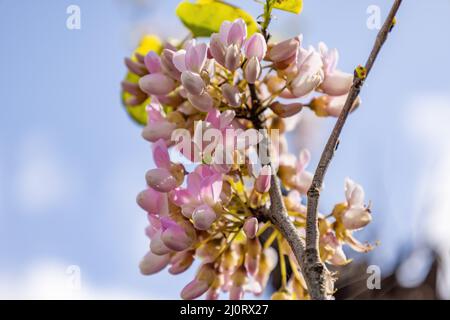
[204, 186]
[225, 47]
[233, 33]
[336, 82]
[202, 102]
[203, 281]
[156, 84]
[252, 70]
[190, 63]
[285, 52]
[192, 82]
[192, 59]
[177, 236]
[297, 177]
[334, 247]
[152, 62]
[181, 261]
[231, 95]
[309, 72]
[251, 227]
[166, 176]
[262, 183]
[152, 263]
[153, 202]
[157, 125]
[357, 215]
[255, 46]
[332, 105]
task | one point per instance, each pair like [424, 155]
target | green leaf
[204, 17]
[138, 113]
[294, 6]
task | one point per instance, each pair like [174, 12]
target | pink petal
[153, 62]
[255, 46]
[251, 227]
[179, 60]
[202, 102]
[192, 82]
[156, 84]
[161, 154]
[194, 289]
[161, 180]
[203, 217]
[152, 263]
[337, 83]
[152, 201]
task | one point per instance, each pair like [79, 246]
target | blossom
[292, 171]
[212, 210]
[167, 175]
[309, 73]
[336, 82]
[197, 200]
[356, 215]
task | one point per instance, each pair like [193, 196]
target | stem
[312, 258]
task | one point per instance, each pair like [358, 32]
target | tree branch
[312, 256]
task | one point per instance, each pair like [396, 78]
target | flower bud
[252, 255]
[262, 183]
[136, 67]
[167, 64]
[152, 201]
[252, 70]
[232, 58]
[158, 130]
[161, 180]
[255, 46]
[203, 217]
[286, 110]
[217, 49]
[202, 102]
[151, 263]
[356, 218]
[231, 95]
[156, 84]
[192, 82]
[285, 52]
[196, 57]
[203, 281]
[181, 261]
[153, 62]
[237, 32]
[251, 227]
[175, 236]
[157, 246]
[337, 83]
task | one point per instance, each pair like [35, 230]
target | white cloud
[43, 180]
[52, 279]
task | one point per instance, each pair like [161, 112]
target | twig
[316, 284]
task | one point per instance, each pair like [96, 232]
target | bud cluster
[216, 212]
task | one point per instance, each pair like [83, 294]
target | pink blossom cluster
[215, 214]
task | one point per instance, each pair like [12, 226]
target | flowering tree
[225, 190]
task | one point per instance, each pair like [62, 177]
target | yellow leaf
[294, 6]
[204, 17]
[137, 113]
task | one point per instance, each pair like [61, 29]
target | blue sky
[71, 162]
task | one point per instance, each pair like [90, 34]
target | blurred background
[72, 162]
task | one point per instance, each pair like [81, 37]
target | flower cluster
[214, 212]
